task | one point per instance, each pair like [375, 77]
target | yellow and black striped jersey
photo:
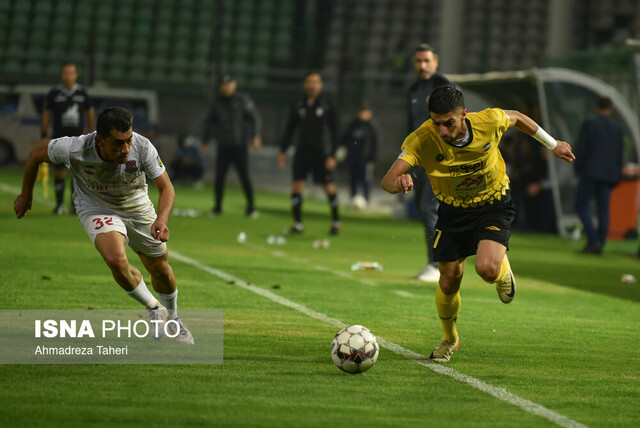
[468, 176]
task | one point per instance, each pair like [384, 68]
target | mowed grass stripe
[497, 392]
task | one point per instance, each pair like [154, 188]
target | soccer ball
[354, 349]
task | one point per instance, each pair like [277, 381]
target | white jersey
[119, 187]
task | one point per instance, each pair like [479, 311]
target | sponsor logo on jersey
[131, 166]
[466, 169]
[471, 184]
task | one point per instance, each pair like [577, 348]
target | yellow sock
[503, 270]
[448, 309]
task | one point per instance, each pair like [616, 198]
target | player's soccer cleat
[507, 287]
[336, 229]
[253, 215]
[159, 313]
[429, 274]
[296, 229]
[59, 210]
[444, 350]
[184, 335]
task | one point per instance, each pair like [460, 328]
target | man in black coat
[235, 123]
[599, 166]
[425, 62]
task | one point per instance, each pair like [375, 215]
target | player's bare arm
[159, 228]
[396, 180]
[24, 201]
[560, 149]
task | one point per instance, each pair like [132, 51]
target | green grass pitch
[570, 341]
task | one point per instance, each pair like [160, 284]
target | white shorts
[136, 232]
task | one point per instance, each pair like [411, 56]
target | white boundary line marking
[16, 190]
[497, 392]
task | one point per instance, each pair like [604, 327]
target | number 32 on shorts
[100, 222]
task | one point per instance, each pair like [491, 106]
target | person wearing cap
[313, 122]
[234, 122]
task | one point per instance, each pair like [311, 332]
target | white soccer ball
[354, 349]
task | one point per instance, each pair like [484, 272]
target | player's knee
[487, 270]
[117, 261]
[161, 270]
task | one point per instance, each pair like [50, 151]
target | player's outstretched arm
[24, 201]
[396, 180]
[560, 149]
[159, 228]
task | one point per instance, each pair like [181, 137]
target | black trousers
[239, 158]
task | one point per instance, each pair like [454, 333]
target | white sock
[142, 294]
[170, 301]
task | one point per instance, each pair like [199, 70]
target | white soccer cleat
[444, 350]
[507, 287]
[159, 314]
[429, 274]
[183, 333]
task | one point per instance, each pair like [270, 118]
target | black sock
[58, 186]
[296, 207]
[333, 201]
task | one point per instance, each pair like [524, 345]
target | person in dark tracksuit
[425, 62]
[361, 139]
[313, 121]
[234, 122]
[598, 165]
[69, 108]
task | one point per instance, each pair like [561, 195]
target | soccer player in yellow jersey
[459, 151]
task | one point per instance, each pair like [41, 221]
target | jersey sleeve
[501, 118]
[58, 150]
[410, 150]
[152, 163]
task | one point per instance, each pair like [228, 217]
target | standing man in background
[315, 120]
[599, 166]
[68, 106]
[425, 63]
[235, 122]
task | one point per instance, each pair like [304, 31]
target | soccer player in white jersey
[113, 205]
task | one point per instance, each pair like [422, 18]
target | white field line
[7, 188]
[497, 392]
[282, 254]
[403, 293]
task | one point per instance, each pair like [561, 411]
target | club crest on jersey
[131, 166]
[486, 147]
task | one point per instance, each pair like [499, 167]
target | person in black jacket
[69, 108]
[361, 140]
[599, 166]
[313, 120]
[425, 63]
[235, 123]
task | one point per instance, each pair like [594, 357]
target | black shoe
[592, 249]
[336, 229]
[216, 212]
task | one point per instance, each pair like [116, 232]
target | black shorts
[305, 163]
[458, 230]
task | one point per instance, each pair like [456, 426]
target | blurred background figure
[68, 107]
[313, 120]
[598, 165]
[425, 64]
[361, 140]
[189, 164]
[234, 122]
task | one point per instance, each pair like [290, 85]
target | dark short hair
[604, 103]
[118, 118]
[445, 99]
[68, 64]
[425, 47]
